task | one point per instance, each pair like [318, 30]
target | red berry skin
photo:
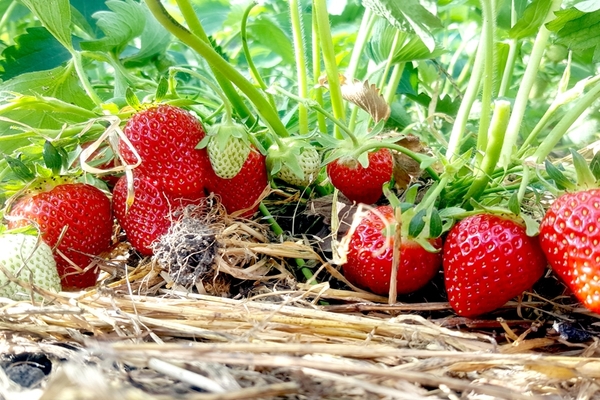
[86, 212]
[165, 137]
[570, 238]
[362, 185]
[489, 260]
[242, 191]
[370, 255]
[149, 217]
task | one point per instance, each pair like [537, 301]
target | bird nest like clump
[206, 247]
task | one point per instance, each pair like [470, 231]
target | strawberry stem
[333, 78]
[489, 19]
[253, 70]
[420, 158]
[188, 13]
[301, 75]
[276, 228]
[521, 100]
[561, 128]
[492, 152]
[262, 105]
[512, 55]
[319, 108]
[318, 91]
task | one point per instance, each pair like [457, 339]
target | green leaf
[132, 99]
[409, 16]
[531, 21]
[154, 41]
[82, 11]
[36, 50]
[52, 157]
[588, 6]
[268, 34]
[410, 48]
[60, 83]
[578, 30]
[55, 15]
[125, 22]
[162, 89]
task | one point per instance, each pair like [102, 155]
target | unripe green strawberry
[27, 259]
[227, 159]
[298, 164]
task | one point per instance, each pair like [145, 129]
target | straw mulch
[145, 333]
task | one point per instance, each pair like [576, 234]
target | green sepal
[390, 195]
[132, 99]
[532, 226]
[162, 89]
[595, 166]
[19, 168]
[558, 177]
[436, 225]
[52, 157]
[410, 195]
[513, 204]
[417, 223]
[585, 177]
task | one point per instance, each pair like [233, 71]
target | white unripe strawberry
[29, 260]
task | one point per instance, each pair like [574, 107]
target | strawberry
[227, 148]
[358, 183]
[370, 253]
[149, 217]
[298, 163]
[74, 217]
[488, 260]
[242, 191]
[28, 260]
[165, 137]
[570, 238]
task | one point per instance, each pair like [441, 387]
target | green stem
[358, 51]
[394, 81]
[210, 84]
[512, 56]
[262, 105]
[301, 75]
[516, 117]
[319, 108]
[460, 123]
[316, 60]
[83, 78]
[492, 152]
[253, 70]
[39, 103]
[390, 60]
[276, 228]
[326, 42]
[188, 13]
[420, 158]
[7, 12]
[561, 128]
[489, 19]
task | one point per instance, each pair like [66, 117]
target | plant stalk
[516, 117]
[299, 50]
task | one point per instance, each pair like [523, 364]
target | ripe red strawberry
[359, 184]
[149, 217]
[570, 238]
[370, 254]
[165, 137]
[83, 211]
[244, 189]
[488, 260]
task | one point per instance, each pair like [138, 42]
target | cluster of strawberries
[487, 259]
